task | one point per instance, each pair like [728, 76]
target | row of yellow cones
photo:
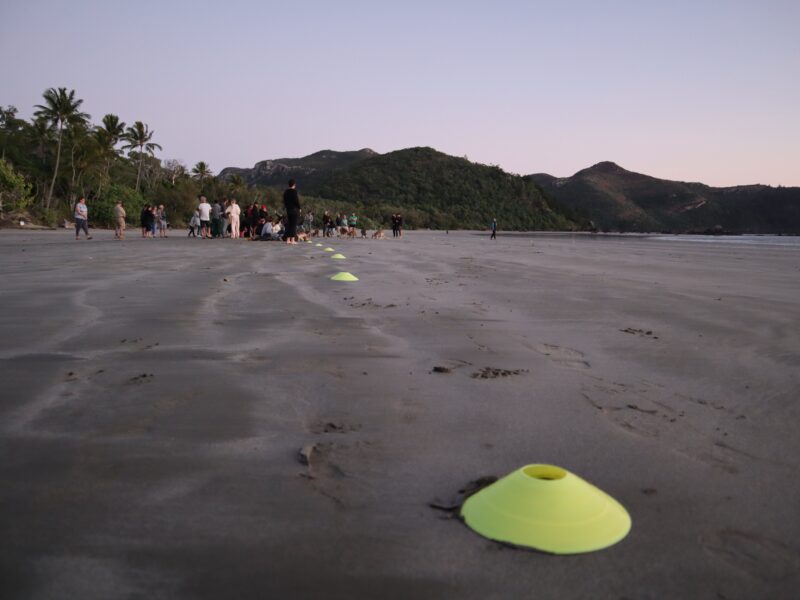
[541, 506]
[341, 275]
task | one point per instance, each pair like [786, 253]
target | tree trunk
[139, 172]
[72, 163]
[55, 171]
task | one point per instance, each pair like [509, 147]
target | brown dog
[378, 235]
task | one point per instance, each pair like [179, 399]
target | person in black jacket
[292, 203]
[148, 220]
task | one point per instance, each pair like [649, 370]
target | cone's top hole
[544, 472]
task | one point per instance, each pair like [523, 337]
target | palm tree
[40, 134]
[200, 171]
[139, 136]
[237, 182]
[60, 108]
[9, 125]
[107, 137]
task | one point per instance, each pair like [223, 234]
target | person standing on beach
[253, 216]
[394, 225]
[153, 220]
[216, 219]
[291, 201]
[494, 230]
[234, 212]
[143, 219]
[81, 219]
[162, 221]
[205, 217]
[225, 222]
[352, 221]
[119, 221]
[399, 225]
[194, 224]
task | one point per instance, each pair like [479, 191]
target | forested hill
[436, 190]
[619, 200]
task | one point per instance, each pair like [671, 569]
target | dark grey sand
[155, 394]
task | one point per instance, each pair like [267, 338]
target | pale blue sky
[702, 91]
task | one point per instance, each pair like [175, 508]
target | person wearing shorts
[205, 217]
[119, 221]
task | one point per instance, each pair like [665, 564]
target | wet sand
[155, 394]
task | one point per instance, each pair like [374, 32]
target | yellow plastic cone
[329, 250]
[339, 256]
[547, 508]
[344, 276]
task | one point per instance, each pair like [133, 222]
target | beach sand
[155, 395]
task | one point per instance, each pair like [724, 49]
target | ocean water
[785, 241]
[747, 240]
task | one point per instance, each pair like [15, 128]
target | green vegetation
[430, 189]
[615, 199]
[15, 192]
[439, 191]
[56, 157]
[60, 156]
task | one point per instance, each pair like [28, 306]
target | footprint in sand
[333, 426]
[654, 413]
[758, 556]
[333, 470]
[565, 357]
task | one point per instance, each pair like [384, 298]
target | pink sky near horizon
[695, 91]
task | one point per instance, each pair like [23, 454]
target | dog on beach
[378, 235]
[363, 233]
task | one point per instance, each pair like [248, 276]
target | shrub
[15, 192]
[101, 210]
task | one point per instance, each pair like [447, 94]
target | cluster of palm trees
[60, 154]
[62, 110]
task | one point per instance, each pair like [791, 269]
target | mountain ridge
[616, 199]
[443, 191]
[277, 171]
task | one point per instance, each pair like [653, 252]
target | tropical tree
[9, 125]
[108, 136]
[60, 108]
[200, 171]
[173, 169]
[237, 185]
[15, 192]
[139, 136]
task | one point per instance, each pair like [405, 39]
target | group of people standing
[227, 218]
[153, 218]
